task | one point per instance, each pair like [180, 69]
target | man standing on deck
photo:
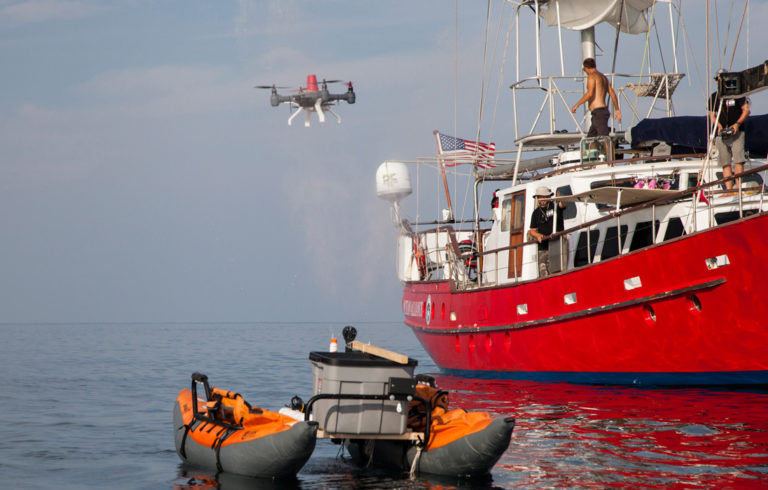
[730, 135]
[542, 225]
[597, 88]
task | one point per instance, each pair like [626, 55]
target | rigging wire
[748, 38]
[678, 38]
[499, 86]
[646, 53]
[618, 31]
[738, 35]
[456, 82]
[728, 30]
[485, 66]
[501, 69]
[661, 53]
[483, 83]
[717, 34]
[499, 30]
[689, 45]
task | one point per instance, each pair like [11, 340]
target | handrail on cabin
[583, 166]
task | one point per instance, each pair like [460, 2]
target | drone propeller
[331, 81]
[270, 86]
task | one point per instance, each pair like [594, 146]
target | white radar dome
[393, 182]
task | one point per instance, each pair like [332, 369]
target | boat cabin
[609, 208]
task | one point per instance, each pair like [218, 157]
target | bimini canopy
[686, 134]
[583, 14]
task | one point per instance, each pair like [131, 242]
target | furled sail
[583, 14]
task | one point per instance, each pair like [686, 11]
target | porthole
[650, 315]
[695, 304]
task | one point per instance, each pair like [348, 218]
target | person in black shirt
[730, 134]
[542, 220]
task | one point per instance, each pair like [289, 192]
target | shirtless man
[597, 87]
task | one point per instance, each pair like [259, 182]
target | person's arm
[533, 228]
[561, 204]
[615, 102]
[590, 93]
[743, 117]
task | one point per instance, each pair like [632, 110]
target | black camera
[727, 131]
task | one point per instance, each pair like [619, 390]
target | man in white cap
[542, 219]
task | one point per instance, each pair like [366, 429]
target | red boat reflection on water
[602, 436]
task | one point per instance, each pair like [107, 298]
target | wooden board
[378, 351]
[408, 436]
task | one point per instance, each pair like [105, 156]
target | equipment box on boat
[358, 373]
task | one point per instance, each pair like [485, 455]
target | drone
[311, 99]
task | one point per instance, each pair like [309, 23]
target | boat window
[669, 182]
[597, 149]
[675, 229]
[693, 180]
[721, 218]
[611, 243]
[643, 235]
[506, 215]
[518, 220]
[674, 182]
[752, 180]
[580, 257]
[570, 209]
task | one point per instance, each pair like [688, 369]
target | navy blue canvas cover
[688, 134]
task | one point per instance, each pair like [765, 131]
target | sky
[143, 178]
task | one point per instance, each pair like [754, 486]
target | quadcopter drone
[311, 99]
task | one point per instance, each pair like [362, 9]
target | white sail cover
[583, 14]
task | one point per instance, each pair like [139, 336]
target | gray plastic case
[358, 373]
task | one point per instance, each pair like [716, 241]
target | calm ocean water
[89, 406]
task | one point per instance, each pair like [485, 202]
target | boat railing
[651, 87]
[562, 169]
[448, 257]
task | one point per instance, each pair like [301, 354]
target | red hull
[690, 321]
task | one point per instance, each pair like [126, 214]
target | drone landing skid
[320, 114]
[338, 118]
[290, 119]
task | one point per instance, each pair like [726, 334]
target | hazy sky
[143, 178]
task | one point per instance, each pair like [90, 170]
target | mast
[588, 43]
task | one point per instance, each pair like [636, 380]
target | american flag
[481, 154]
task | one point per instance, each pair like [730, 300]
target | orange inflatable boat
[459, 443]
[220, 431]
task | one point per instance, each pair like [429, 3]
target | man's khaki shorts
[730, 148]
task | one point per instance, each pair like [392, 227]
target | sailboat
[658, 276]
